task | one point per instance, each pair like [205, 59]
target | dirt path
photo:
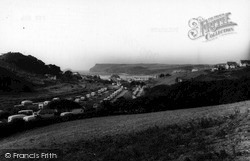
[98, 127]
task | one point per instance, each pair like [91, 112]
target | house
[245, 63]
[222, 66]
[232, 64]
[214, 68]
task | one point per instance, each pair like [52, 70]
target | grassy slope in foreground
[98, 127]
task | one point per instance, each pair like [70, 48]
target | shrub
[63, 105]
[188, 94]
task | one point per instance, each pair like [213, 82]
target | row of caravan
[41, 105]
[43, 112]
[31, 104]
[89, 95]
[29, 115]
[114, 94]
[138, 91]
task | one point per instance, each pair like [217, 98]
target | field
[202, 75]
[171, 79]
[88, 129]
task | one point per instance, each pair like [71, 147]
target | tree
[161, 75]
[54, 70]
[63, 105]
[114, 77]
[68, 74]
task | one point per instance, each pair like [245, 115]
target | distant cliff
[142, 68]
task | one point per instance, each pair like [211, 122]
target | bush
[188, 94]
[63, 105]
[4, 115]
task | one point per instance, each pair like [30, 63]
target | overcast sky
[77, 34]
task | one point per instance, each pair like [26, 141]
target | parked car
[70, 99]
[66, 114]
[77, 100]
[95, 105]
[77, 111]
[17, 117]
[56, 99]
[30, 118]
[18, 106]
[78, 97]
[26, 102]
[46, 103]
[26, 112]
[92, 93]
[46, 113]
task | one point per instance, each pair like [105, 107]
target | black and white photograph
[124, 80]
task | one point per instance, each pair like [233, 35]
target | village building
[245, 63]
[214, 68]
[222, 66]
[232, 65]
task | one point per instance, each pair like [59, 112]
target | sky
[77, 34]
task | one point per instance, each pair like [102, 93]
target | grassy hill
[19, 71]
[143, 68]
[28, 63]
[202, 75]
[9, 81]
[159, 134]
